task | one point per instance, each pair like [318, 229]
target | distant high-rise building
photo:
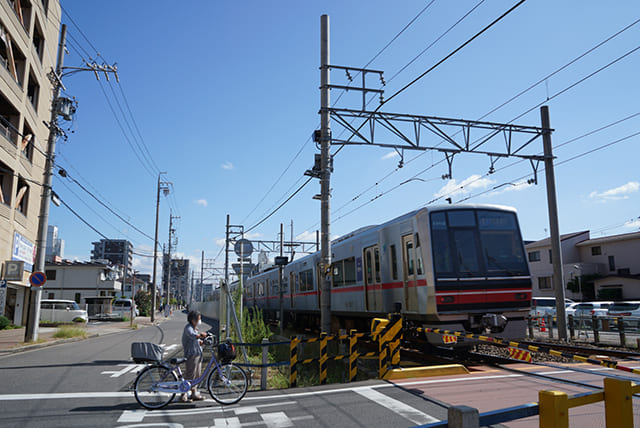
[179, 279]
[55, 247]
[117, 251]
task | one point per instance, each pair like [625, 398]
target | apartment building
[118, 251]
[29, 33]
[78, 281]
[606, 268]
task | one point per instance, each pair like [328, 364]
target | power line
[80, 217]
[66, 175]
[280, 206]
[455, 51]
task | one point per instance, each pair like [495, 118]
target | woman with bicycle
[191, 345]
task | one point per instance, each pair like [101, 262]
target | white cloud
[307, 236]
[632, 224]
[454, 188]
[621, 192]
[227, 165]
[202, 202]
[390, 155]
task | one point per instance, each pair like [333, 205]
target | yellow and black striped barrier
[388, 333]
[544, 349]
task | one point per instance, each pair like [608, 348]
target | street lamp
[579, 280]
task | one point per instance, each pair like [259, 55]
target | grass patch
[66, 332]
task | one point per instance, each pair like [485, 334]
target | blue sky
[223, 97]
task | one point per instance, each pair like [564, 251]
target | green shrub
[4, 322]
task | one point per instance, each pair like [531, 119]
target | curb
[53, 342]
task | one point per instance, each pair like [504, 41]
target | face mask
[199, 323]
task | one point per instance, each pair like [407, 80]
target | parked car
[624, 309]
[61, 311]
[543, 306]
[122, 308]
[588, 309]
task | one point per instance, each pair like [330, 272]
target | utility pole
[325, 178]
[164, 186]
[171, 237]
[224, 288]
[280, 272]
[31, 332]
[202, 279]
[552, 203]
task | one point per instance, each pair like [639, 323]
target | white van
[61, 311]
[122, 308]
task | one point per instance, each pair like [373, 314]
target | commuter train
[454, 267]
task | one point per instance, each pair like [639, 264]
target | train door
[409, 275]
[293, 288]
[372, 280]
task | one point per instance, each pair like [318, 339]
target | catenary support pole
[556, 251]
[31, 332]
[325, 179]
[280, 272]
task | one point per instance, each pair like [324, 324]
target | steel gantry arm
[362, 128]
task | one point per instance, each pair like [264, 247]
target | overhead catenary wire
[413, 20]
[549, 98]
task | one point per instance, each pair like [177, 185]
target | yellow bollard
[618, 403]
[554, 409]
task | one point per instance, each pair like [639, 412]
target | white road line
[127, 368]
[402, 409]
[232, 422]
[277, 420]
[131, 416]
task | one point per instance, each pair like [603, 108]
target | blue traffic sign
[37, 279]
[3, 283]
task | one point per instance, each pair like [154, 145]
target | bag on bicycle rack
[226, 352]
[144, 352]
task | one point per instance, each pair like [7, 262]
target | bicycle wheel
[229, 386]
[144, 387]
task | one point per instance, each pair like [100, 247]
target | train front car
[478, 276]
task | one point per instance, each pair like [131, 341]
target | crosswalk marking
[276, 420]
[127, 368]
[232, 422]
[404, 410]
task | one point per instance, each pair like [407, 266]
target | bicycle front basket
[144, 352]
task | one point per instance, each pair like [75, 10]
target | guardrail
[596, 329]
[386, 332]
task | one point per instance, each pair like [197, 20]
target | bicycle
[159, 382]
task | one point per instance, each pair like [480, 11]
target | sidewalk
[13, 340]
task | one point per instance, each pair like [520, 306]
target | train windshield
[470, 243]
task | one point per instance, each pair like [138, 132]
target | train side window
[306, 280]
[350, 271]
[369, 265]
[285, 284]
[275, 288]
[338, 277]
[376, 253]
[260, 289]
[418, 256]
[394, 262]
[442, 260]
[410, 263]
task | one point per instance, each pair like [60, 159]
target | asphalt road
[87, 384]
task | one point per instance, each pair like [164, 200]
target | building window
[33, 91]
[612, 263]
[22, 197]
[596, 251]
[545, 283]
[6, 180]
[534, 256]
[550, 257]
[77, 298]
[50, 274]
[51, 296]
